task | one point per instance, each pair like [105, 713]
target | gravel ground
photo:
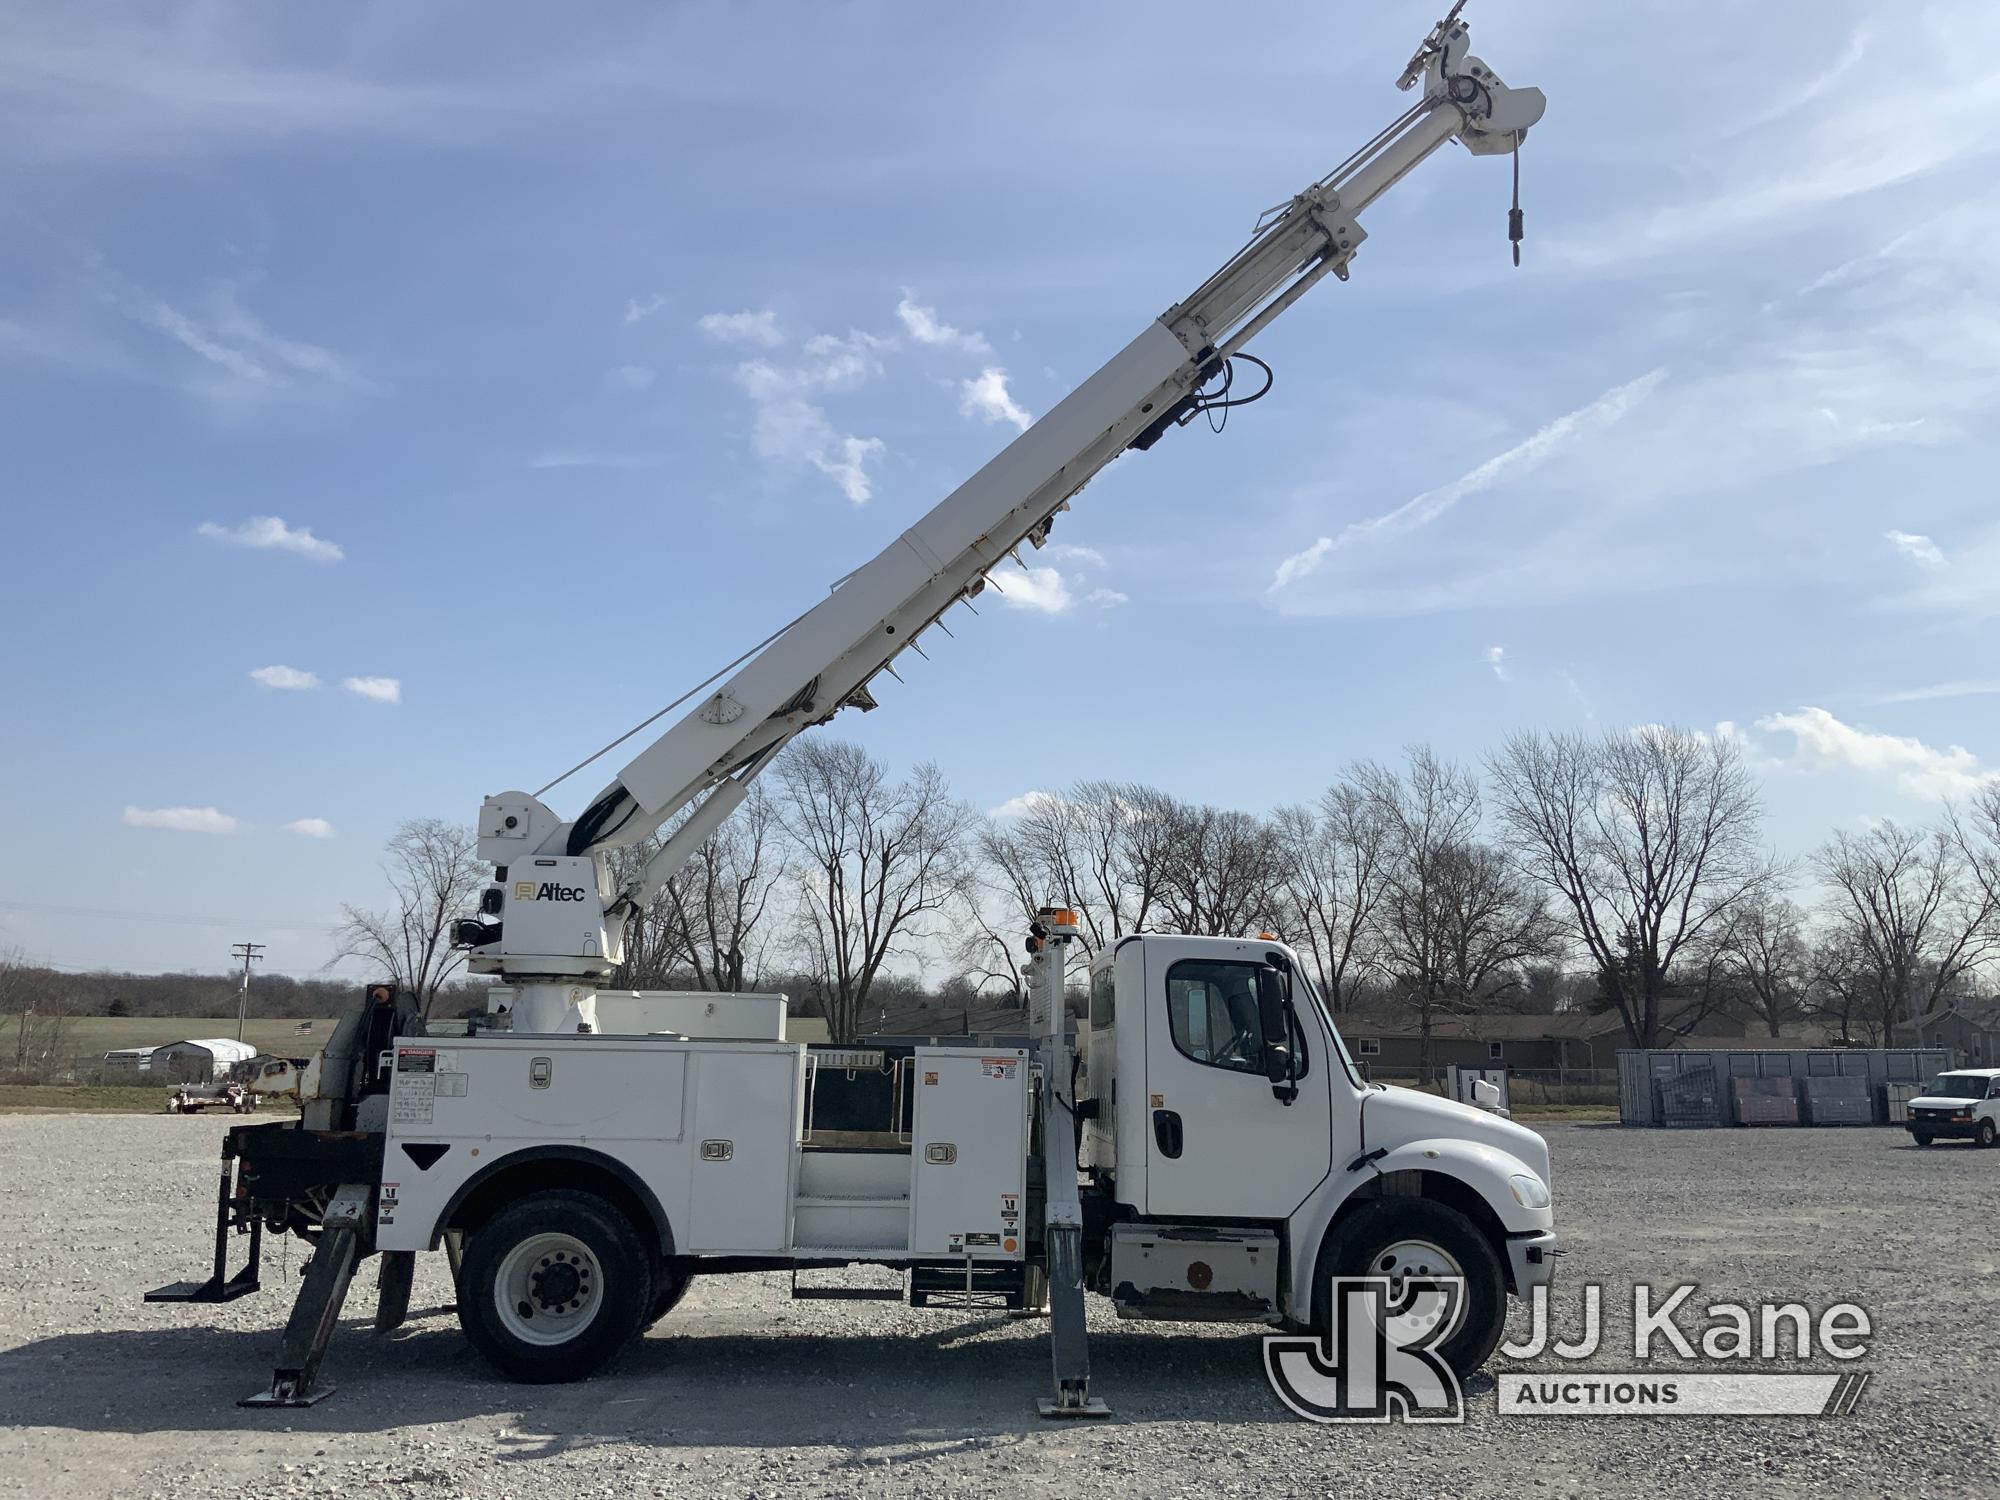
[743, 1392]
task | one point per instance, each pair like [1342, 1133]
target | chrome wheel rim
[1420, 1261]
[549, 1289]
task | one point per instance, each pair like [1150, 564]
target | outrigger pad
[272, 1398]
[242, 1284]
[1093, 1406]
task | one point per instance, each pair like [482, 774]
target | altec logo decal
[548, 890]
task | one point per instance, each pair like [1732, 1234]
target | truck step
[826, 1200]
[973, 1285]
[836, 1292]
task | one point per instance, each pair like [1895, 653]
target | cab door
[1220, 1143]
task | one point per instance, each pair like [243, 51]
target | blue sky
[505, 374]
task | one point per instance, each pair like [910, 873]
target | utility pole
[249, 953]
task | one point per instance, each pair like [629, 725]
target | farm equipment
[193, 1098]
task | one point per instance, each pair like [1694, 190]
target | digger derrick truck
[1220, 1158]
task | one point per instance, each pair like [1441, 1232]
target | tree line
[1625, 873]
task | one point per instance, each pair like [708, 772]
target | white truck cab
[1195, 1111]
[1963, 1104]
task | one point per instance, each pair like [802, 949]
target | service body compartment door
[1219, 1144]
[748, 1104]
[971, 1153]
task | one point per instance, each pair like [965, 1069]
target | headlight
[1529, 1192]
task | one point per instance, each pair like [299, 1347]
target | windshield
[1301, 982]
[1957, 1086]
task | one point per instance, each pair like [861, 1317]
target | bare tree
[1223, 876]
[1650, 839]
[875, 859]
[1914, 912]
[1096, 848]
[1763, 957]
[39, 1009]
[435, 873]
[722, 893]
[1456, 923]
[1330, 877]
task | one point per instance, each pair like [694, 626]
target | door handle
[1167, 1132]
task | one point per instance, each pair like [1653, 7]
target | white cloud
[637, 311]
[630, 378]
[1299, 564]
[791, 429]
[181, 819]
[759, 328]
[1041, 589]
[311, 828]
[788, 430]
[1106, 597]
[285, 677]
[1521, 459]
[270, 533]
[381, 689]
[1822, 741]
[1021, 806]
[922, 325]
[242, 360]
[1496, 658]
[1976, 687]
[585, 458]
[986, 396]
[1066, 552]
[1919, 549]
[1576, 691]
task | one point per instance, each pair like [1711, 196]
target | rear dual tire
[553, 1286]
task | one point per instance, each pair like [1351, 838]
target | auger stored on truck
[1220, 1159]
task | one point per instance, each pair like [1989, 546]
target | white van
[1963, 1104]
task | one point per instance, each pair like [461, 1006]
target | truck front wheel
[553, 1286]
[1400, 1238]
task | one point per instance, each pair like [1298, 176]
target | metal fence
[1526, 1086]
[1681, 1088]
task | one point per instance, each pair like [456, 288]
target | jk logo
[1379, 1360]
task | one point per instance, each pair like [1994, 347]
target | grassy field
[86, 1036]
[1530, 1113]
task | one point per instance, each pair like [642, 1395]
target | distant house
[1968, 1029]
[1392, 1046]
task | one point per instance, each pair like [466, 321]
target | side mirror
[1274, 1020]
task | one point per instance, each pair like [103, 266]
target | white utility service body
[1222, 1160]
[713, 1137]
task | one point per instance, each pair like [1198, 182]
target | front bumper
[1944, 1129]
[1531, 1260]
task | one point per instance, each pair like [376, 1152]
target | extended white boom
[562, 920]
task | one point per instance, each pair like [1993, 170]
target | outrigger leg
[317, 1312]
[1062, 1223]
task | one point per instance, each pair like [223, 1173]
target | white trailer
[1227, 1161]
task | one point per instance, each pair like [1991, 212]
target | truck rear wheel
[553, 1286]
[1405, 1237]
